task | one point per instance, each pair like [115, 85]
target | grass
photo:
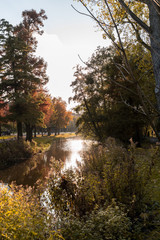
[42, 142]
[7, 137]
[46, 141]
[52, 137]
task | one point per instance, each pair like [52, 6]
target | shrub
[22, 216]
[104, 224]
[12, 152]
[106, 173]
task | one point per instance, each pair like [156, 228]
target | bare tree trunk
[29, 133]
[55, 131]
[35, 130]
[35, 134]
[49, 131]
[19, 130]
[154, 17]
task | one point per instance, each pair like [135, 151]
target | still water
[27, 173]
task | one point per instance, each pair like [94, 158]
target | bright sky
[66, 34]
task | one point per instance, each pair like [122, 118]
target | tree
[48, 109]
[72, 124]
[116, 17]
[61, 116]
[107, 101]
[10, 64]
[22, 73]
[3, 114]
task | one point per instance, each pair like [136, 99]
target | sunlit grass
[43, 142]
[65, 135]
[7, 137]
[47, 140]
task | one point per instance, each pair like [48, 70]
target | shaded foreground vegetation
[114, 194]
[12, 152]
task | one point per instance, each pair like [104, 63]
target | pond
[27, 173]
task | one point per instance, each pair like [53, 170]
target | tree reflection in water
[29, 172]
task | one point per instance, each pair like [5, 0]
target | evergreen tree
[22, 73]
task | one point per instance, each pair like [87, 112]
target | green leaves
[108, 101]
[108, 223]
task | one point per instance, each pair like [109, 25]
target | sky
[67, 34]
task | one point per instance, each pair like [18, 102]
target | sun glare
[76, 148]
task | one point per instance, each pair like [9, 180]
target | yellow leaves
[55, 236]
[22, 216]
[19, 214]
[104, 36]
[106, 11]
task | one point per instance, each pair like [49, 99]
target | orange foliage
[4, 108]
[62, 116]
[45, 105]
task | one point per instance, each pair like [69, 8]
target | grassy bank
[50, 138]
[13, 151]
[118, 196]
[7, 137]
[45, 141]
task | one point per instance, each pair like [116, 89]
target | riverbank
[13, 151]
[66, 150]
[45, 141]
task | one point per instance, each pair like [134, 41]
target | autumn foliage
[22, 216]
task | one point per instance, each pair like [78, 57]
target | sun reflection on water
[75, 148]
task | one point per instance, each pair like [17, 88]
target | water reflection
[75, 149]
[28, 172]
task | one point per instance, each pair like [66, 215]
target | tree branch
[139, 39]
[101, 26]
[157, 2]
[85, 14]
[133, 107]
[134, 17]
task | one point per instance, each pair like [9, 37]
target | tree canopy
[125, 22]
[107, 99]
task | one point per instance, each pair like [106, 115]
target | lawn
[48, 139]
[7, 137]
